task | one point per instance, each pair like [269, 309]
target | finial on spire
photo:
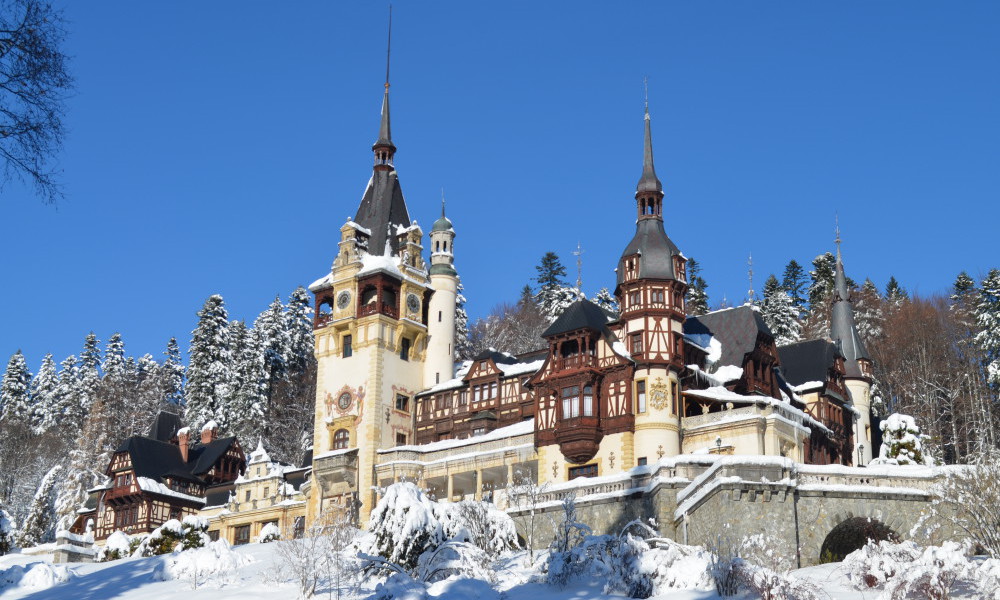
[836, 220]
[579, 266]
[442, 201]
[649, 181]
[645, 91]
[388, 47]
[750, 293]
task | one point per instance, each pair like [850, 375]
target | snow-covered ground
[256, 571]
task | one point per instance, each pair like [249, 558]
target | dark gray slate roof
[496, 356]
[802, 362]
[736, 330]
[656, 251]
[842, 327]
[382, 210]
[157, 459]
[582, 314]
[165, 426]
[649, 182]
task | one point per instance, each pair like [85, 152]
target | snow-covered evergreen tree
[270, 324]
[246, 413]
[39, 525]
[90, 375]
[173, 374]
[696, 296]
[868, 313]
[821, 280]
[299, 325]
[114, 367]
[987, 314]
[210, 370]
[462, 343]
[605, 300]
[902, 442]
[779, 313]
[44, 396]
[15, 395]
[69, 395]
[794, 282]
[553, 294]
[895, 294]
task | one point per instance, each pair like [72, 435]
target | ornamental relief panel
[346, 400]
[658, 394]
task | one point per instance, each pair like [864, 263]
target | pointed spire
[385, 130]
[648, 182]
[442, 203]
[842, 327]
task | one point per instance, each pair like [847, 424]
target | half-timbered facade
[163, 475]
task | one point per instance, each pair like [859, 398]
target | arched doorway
[852, 535]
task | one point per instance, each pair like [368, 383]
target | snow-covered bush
[454, 559]
[186, 534]
[400, 586]
[878, 562]
[6, 532]
[771, 585]
[563, 563]
[763, 550]
[118, 545]
[269, 533]
[723, 557]
[933, 575]
[34, 576]
[969, 498]
[215, 561]
[405, 524]
[673, 566]
[902, 442]
[481, 524]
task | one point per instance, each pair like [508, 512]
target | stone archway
[852, 534]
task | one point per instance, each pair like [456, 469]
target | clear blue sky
[216, 147]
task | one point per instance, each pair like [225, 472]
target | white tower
[440, 360]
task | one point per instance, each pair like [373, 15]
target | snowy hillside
[258, 571]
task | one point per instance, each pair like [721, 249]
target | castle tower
[444, 281]
[371, 329]
[650, 292]
[857, 363]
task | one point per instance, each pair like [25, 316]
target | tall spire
[648, 182]
[385, 130]
[842, 327]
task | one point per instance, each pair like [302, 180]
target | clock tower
[372, 340]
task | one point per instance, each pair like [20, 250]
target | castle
[603, 394]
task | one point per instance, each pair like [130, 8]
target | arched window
[340, 439]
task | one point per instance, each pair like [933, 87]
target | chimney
[208, 432]
[183, 439]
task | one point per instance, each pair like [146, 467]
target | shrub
[269, 533]
[185, 535]
[878, 562]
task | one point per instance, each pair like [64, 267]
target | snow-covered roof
[322, 282]
[259, 455]
[723, 395]
[350, 223]
[149, 485]
[210, 426]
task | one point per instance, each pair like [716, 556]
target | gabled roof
[496, 356]
[735, 329]
[582, 314]
[156, 459]
[808, 361]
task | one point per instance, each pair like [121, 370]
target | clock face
[413, 303]
[344, 401]
[343, 299]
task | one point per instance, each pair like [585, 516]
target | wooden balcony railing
[123, 490]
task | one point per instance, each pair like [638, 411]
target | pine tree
[173, 374]
[462, 344]
[15, 396]
[894, 293]
[209, 371]
[246, 414]
[550, 271]
[794, 282]
[299, 328]
[696, 296]
[113, 367]
[90, 376]
[271, 326]
[553, 294]
[779, 313]
[868, 313]
[821, 286]
[605, 300]
[44, 399]
[987, 314]
[70, 396]
[39, 525]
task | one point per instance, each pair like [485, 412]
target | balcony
[577, 361]
[336, 466]
[579, 438]
[374, 308]
[122, 491]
